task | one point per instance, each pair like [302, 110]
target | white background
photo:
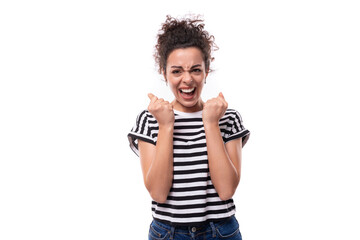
[75, 74]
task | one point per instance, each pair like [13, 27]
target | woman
[190, 150]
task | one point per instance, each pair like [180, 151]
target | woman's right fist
[161, 110]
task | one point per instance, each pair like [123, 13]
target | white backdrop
[75, 74]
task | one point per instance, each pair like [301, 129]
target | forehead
[185, 57]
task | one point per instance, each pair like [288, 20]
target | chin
[191, 104]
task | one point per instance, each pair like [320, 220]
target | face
[185, 74]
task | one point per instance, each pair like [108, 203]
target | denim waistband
[222, 228]
[193, 230]
[201, 226]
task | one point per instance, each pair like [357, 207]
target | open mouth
[187, 92]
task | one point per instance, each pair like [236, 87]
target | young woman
[190, 150]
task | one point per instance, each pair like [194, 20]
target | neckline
[198, 113]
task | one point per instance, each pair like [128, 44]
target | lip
[185, 96]
[186, 87]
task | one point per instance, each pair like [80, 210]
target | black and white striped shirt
[192, 199]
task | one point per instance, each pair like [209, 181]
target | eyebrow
[197, 65]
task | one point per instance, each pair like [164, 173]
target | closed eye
[196, 71]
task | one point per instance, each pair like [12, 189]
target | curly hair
[183, 33]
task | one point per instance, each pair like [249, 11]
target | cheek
[201, 82]
[173, 82]
[173, 87]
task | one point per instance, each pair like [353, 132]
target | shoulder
[231, 111]
[234, 123]
[145, 115]
[231, 114]
[145, 128]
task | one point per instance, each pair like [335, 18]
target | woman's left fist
[214, 109]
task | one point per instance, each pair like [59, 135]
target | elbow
[158, 193]
[224, 196]
[228, 192]
[158, 197]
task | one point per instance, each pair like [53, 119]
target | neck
[179, 107]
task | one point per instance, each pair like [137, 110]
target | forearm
[223, 173]
[160, 174]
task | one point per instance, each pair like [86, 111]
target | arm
[157, 164]
[157, 161]
[224, 160]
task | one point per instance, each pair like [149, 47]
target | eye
[176, 72]
[196, 71]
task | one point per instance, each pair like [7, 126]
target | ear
[164, 74]
[206, 74]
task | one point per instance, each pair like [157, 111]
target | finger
[159, 101]
[222, 98]
[221, 95]
[152, 97]
[168, 105]
[204, 104]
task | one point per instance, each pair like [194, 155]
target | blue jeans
[226, 229]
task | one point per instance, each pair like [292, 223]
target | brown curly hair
[188, 32]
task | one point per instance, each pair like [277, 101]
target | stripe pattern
[192, 199]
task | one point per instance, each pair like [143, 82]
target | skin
[186, 69]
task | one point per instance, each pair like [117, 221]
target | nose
[187, 78]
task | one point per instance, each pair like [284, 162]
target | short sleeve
[145, 129]
[236, 128]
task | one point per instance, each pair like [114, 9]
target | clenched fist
[214, 109]
[162, 110]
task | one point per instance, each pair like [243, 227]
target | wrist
[211, 124]
[166, 127]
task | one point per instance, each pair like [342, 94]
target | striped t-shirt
[192, 198]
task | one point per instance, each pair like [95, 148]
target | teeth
[188, 90]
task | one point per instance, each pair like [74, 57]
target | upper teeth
[188, 90]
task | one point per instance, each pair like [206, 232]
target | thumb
[151, 96]
[221, 95]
